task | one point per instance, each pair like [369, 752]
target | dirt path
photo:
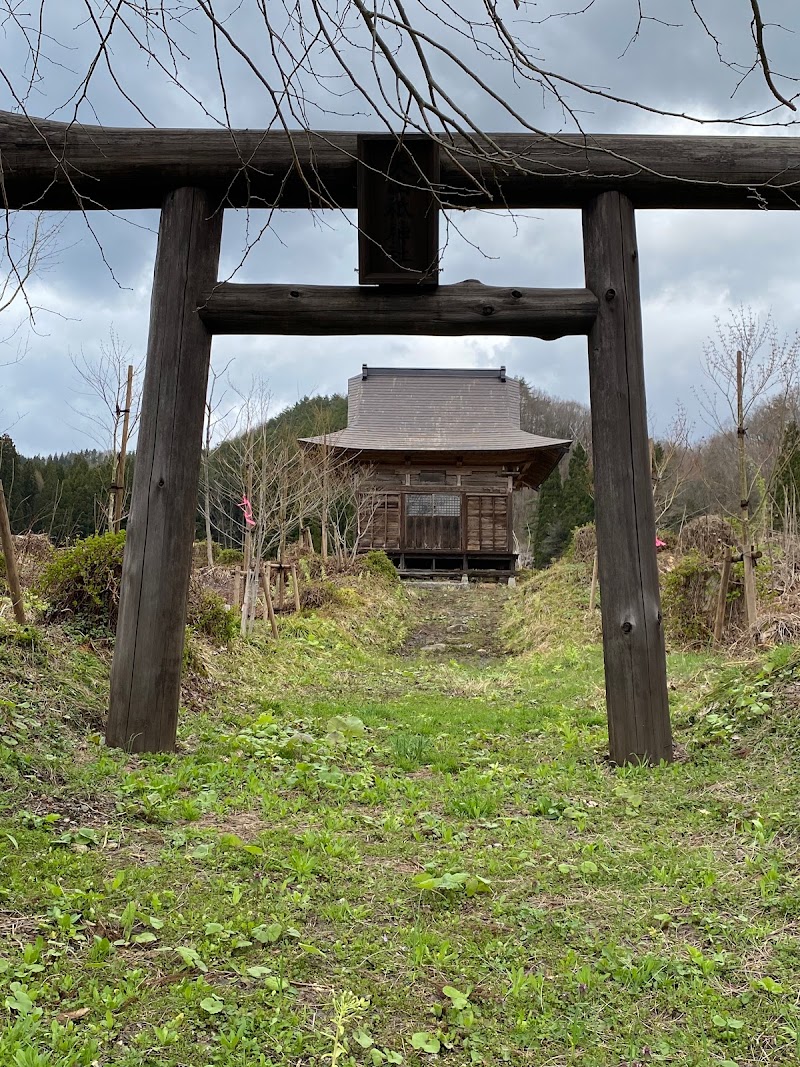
[457, 622]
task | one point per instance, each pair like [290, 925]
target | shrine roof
[438, 413]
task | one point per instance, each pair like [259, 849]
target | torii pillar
[146, 674]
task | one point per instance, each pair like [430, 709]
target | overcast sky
[694, 266]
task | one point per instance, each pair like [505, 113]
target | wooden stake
[633, 639]
[119, 477]
[146, 673]
[593, 591]
[751, 607]
[296, 587]
[248, 582]
[266, 581]
[237, 588]
[281, 584]
[722, 598]
[12, 575]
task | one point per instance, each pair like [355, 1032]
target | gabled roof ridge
[498, 373]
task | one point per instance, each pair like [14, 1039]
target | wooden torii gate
[192, 175]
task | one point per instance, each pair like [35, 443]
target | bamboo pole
[12, 575]
[748, 549]
[296, 587]
[281, 583]
[119, 477]
[266, 579]
[593, 591]
[248, 580]
[722, 599]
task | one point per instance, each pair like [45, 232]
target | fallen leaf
[72, 1016]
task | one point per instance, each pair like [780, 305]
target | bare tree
[215, 418]
[424, 66]
[749, 406]
[258, 476]
[554, 416]
[747, 365]
[28, 245]
[112, 386]
[673, 465]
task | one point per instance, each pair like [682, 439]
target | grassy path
[455, 621]
[360, 857]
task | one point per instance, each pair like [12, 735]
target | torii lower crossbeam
[467, 308]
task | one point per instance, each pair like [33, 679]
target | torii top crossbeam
[63, 166]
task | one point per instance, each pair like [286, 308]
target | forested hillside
[67, 496]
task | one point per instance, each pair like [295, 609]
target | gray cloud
[694, 265]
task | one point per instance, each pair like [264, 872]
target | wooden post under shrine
[633, 638]
[146, 674]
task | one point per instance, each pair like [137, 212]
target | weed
[412, 750]
[82, 584]
[378, 564]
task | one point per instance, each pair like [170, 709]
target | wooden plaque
[398, 216]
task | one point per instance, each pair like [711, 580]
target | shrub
[192, 663]
[228, 555]
[378, 564]
[218, 554]
[83, 582]
[208, 614]
[707, 535]
[320, 594]
[689, 600]
[583, 544]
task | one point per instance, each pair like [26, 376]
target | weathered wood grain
[467, 308]
[145, 678]
[487, 522]
[49, 164]
[633, 639]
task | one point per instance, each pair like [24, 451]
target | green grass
[359, 858]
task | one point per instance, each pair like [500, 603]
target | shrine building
[438, 455]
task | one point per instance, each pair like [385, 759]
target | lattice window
[420, 505]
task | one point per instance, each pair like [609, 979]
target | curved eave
[533, 463]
